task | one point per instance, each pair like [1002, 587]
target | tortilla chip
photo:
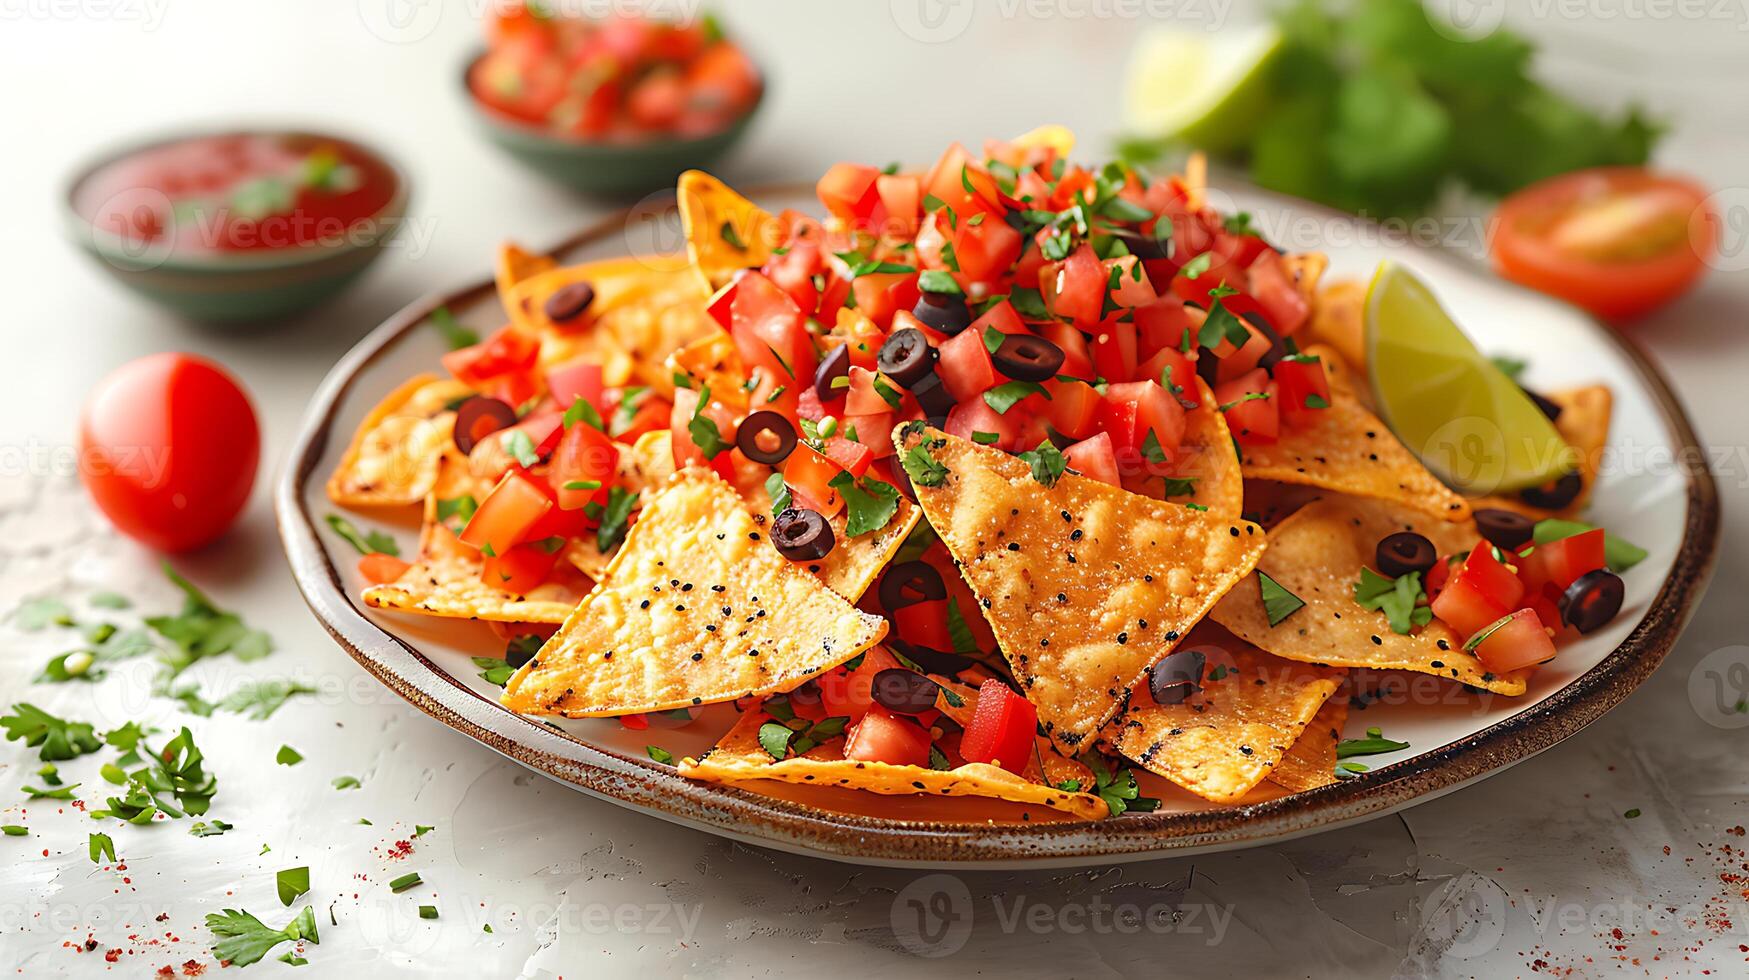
[1339, 319]
[853, 563]
[1311, 761]
[713, 361]
[1206, 457]
[514, 265]
[725, 232]
[739, 757]
[644, 307]
[451, 586]
[644, 468]
[1307, 271]
[1268, 502]
[393, 458]
[1083, 583]
[1061, 139]
[696, 607]
[1317, 554]
[1347, 449]
[1227, 737]
[1584, 425]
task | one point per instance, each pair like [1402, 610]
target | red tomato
[1558, 564]
[685, 449]
[965, 366]
[650, 414]
[1515, 642]
[848, 694]
[381, 569]
[168, 447]
[849, 191]
[576, 379]
[769, 333]
[1077, 357]
[1253, 420]
[506, 514]
[873, 431]
[1074, 289]
[1003, 728]
[853, 457]
[974, 416]
[862, 398]
[1163, 323]
[1174, 370]
[1464, 608]
[1619, 241]
[1133, 289]
[882, 736]
[1283, 305]
[585, 455]
[1303, 388]
[809, 476]
[1491, 578]
[521, 568]
[880, 295]
[508, 351]
[1133, 409]
[923, 623]
[1074, 408]
[1094, 458]
[985, 249]
[901, 203]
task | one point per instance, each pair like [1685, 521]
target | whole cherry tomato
[168, 446]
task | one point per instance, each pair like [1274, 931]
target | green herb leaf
[100, 845]
[1617, 553]
[454, 334]
[1371, 745]
[260, 699]
[922, 468]
[1047, 463]
[939, 281]
[203, 630]
[55, 739]
[774, 739]
[615, 518]
[869, 503]
[15, 830]
[409, 880]
[204, 828]
[1009, 393]
[728, 234]
[347, 782]
[243, 939]
[291, 883]
[36, 614]
[494, 671]
[1397, 598]
[582, 411]
[461, 508]
[375, 542]
[1197, 266]
[660, 754]
[1278, 602]
[705, 434]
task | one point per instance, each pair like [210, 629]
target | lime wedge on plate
[1204, 88]
[1466, 420]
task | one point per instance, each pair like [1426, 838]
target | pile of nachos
[1009, 479]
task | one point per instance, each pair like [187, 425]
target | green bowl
[236, 288]
[617, 170]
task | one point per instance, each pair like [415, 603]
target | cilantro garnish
[205, 828]
[861, 265]
[495, 671]
[1152, 451]
[1176, 486]
[462, 507]
[1197, 266]
[779, 493]
[660, 754]
[922, 468]
[869, 503]
[175, 772]
[456, 335]
[705, 434]
[959, 631]
[1278, 602]
[288, 756]
[614, 518]
[1029, 303]
[521, 448]
[346, 782]
[939, 281]
[1373, 744]
[582, 411]
[375, 542]
[260, 699]
[1397, 598]
[55, 739]
[888, 393]
[243, 939]
[1047, 463]
[1239, 224]
[1009, 393]
[986, 438]
[1317, 401]
[100, 845]
[1221, 325]
[774, 739]
[203, 630]
[1117, 788]
[291, 883]
[626, 414]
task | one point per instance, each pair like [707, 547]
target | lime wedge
[1206, 89]
[1466, 420]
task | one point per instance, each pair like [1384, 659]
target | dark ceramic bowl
[601, 168]
[236, 287]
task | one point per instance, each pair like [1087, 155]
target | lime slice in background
[1466, 420]
[1204, 88]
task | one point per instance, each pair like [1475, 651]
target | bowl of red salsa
[241, 224]
[614, 105]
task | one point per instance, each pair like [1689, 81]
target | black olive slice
[909, 583]
[1177, 676]
[766, 437]
[479, 417]
[933, 397]
[1592, 600]
[1544, 404]
[943, 312]
[906, 357]
[1507, 530]
[1405, 552]
[932, 660]
[801, 534]
[1554, 496]
[903, 691]
[1024, 357]
[832, 367]
[569, 302]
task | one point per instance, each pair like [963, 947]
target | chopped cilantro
[55, 739]
[456, 335]
[614, 518]
[939, 281]
[260, 699]
[660, 754]
[243, 939]
[582, 411]
[1047, 463]
[869, 503]
[203, 630]
[1009, 393]
[375, 542]
[347, 782]
[1397, 598]
[705, 434]
[1278, 602]
[291, 883]
[922, 468]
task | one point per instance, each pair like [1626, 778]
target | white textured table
[1533, 871]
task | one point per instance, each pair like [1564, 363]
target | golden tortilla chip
[1307, 270]
[1227, 737]
[644, 307]
[1083, 583]
[1584, 425]
[1347, 449]
[644, 468]
[1208, 459]
[1061, 139]
[725, 232]
[1311, 761]
[739, 757]
[1317, 554]
[514, 265]
[853, 563]
[1339, 320]
[696, 607]
[714, 362]
[393, 458]
[451, 586]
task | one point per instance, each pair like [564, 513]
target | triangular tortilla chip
[514, 265]
[1084, 584]
[696, 607]
[1317, 554]
[1339, 321]
[644, 468]
[393, 457]
[725, 232]
[644, 307]
[1584, 425]
[1347, 449]
[1228, 735]
[739, 757]
[1311, 761]
[1206, 457]
[714, 363]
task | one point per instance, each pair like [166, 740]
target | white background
[1537, 864]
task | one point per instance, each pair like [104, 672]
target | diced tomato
[650, 414]
[1490, 578]
[1003, 730]
[1133, 409]
[1464, 608]
[1163, 323]
[1000, 316]
[1077, 357]
[848, 693]
[506, 513]
[522, 567]
[863, 398]
[984, 249]
[769, 333]
[380, 569]
[1554, 566]
[1074, 408]
[945, 183]
[1114, 350]
[965, 366]
[880, 295]
[794, 272]
[1249, 402]
[1132, 287]
[1094, 458]
[507, 351]
[973, 416]
[848, 191]
[721, 305]
[686, 450]
[1174, 370]
[543, 430]
[854, 457]
[809, 476]
[585, 455]
[1303, 387]
[882, 736]
[923, 623]
[576, 379]
[1282, 303]
[1515, 642]
[808, 404]
[1074, 288]
[901, 204]
[873, 431]
[1231, 362]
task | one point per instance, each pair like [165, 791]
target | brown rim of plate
[765, 820]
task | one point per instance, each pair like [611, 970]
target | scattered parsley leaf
[373, 543]
[110, 600]
[614, 518]
[55, 739]
[660, 754]
[922, 468]
[409, 880]
[939, 281]
[582, 411]
[347, 782]
[1009, 393]
[203, 630]
[1397, 598]
[291, 883]
[1371, 745]
[1047, 463]
[705, 434]
[37, 614]
[100, 845]
[869, 503]
[454, 334]
[774, 739]
[288, 756]
[206, 828]
[243, 939]
[1278, 602]
[258, 700]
